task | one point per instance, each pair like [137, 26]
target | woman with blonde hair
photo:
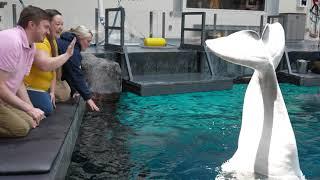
[71, 70]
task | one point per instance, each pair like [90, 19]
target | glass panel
[173, 25]
[193, 21]
[136, 27]
[6, 14]
[224, 68]
[193, 38]
[257, 5]
[114, 18]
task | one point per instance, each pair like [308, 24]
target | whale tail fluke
[246, 48]
[266, 142]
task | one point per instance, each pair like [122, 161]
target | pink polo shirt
[16, 56]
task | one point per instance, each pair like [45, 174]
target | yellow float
[155, 42]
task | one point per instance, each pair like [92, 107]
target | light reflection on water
[185, 136]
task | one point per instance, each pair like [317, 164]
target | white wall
[6, 14]
[290, 6]
[78, 12]
[75, 11]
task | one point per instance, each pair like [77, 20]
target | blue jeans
[42, 101]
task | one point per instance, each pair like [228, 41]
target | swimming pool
[183, 136]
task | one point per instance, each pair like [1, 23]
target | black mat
[36, 153]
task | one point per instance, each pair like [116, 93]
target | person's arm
[76, 80]
[8, 97]
[75, 77]
[52, 89]
[23, 95]
[46, 63]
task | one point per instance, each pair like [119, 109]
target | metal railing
[151, 16]
[201, 30]
[109, 28]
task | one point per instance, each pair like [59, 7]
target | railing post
[182, 28]
[163, 25]
[151, 25]
[14, 15]
[122, 26]
[203, 28]
[261, 24]
[96, 26]
[214, 24]
[106, 27]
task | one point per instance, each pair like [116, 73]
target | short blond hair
[81, 31]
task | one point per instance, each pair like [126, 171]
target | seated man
[17, 50]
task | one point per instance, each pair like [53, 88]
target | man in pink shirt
[17, 114]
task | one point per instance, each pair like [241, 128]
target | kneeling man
[17, 114]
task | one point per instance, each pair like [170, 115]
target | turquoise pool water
[188, 136]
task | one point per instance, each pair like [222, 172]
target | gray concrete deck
[150, 85]
[307, 50]
[308, 79]
[151, 67]
[46, 152]
[165, 70]
[303, 46]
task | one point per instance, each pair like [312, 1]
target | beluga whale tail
[266, 145]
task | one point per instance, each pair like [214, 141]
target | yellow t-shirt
[38, 79]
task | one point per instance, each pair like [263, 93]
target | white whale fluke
[266, 145]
